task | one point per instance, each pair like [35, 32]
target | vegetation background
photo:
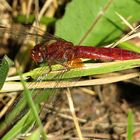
[99, 100]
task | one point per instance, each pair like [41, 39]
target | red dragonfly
[57, 51]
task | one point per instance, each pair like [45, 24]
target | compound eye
[36, 56]
[40, 58]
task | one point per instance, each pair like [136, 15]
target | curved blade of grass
[86, 70]
[4, 68]
[33, 108]
[20, 127]
[130, 123]
[19, 112]
[14, 115]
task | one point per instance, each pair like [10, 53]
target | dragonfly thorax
[55, 52]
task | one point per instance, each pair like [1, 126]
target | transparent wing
[28, 33]
[45, 96]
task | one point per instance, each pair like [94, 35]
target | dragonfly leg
[66, 67]
[50, 68]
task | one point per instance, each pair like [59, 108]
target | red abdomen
[105, 54]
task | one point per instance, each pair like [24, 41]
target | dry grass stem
[71, 106]
[10, 86]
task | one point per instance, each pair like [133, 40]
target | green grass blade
[86, 70]
[35, 135]
[20, 127]
[130, 125]
[33, 108]
[13, 115]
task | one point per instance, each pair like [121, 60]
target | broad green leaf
[4, 68]
[80, 17]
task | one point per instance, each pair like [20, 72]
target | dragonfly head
[38, 53]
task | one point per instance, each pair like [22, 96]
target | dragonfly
[55, 50]
[58, 51]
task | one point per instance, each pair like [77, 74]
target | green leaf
[86, 70]
[80, 23]
[4, 68]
